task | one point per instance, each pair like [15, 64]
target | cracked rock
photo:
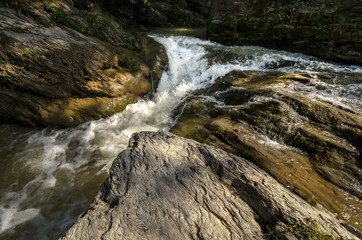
[167, 187]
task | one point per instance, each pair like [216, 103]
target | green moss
[119, 105]
[84, 28]
[49, 7]
[147, 3]
[307, 230]
[280, 16]
[59, 15]
[108, 20]
[272, 234]
[132, 42]
[97, 26]
[25, 51]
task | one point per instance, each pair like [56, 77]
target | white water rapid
[49, 176]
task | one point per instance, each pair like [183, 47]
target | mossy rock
[74, 111]
[64, 77]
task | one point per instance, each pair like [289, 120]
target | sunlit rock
[166, 187]
[295, 126]
[63, 73]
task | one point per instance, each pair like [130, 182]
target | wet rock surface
[167, 187]
[289, 125]
[63, 66]
[330, 30]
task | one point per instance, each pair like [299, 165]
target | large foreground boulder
[167, 187]
[63, 66]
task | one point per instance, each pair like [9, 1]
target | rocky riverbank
[329, 30]
[289, 126]
[66, 62]
[63, 66]
[167, 187]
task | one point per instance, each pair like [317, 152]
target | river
[49, 176]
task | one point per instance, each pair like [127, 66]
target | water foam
[48, 152]
[58, 163]
[347, 96]
[263, 59]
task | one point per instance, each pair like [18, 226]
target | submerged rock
[167, 187]
[62, 66]
[290, 126]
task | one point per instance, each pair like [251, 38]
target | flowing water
[49, 176]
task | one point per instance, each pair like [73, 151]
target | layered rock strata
[291, 126]
[167, 187]
[63, 66]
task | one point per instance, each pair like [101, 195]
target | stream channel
[49, 176]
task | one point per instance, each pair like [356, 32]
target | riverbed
[50, 175]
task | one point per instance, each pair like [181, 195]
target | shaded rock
[289, 126]
[200, 6]
[53, 74]
[329, 30]
[166, 187]
[160, 13]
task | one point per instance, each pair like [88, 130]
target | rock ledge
[167, 187]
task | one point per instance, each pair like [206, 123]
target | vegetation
[25, 51]
[58, 14]
[50, 7]
[108, 20]
[131, 42]
[309, 230]
[147, 3]
[84, 28]
[103, 26]
[3, 57]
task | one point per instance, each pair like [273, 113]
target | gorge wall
[66, 62]
[330, 30]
